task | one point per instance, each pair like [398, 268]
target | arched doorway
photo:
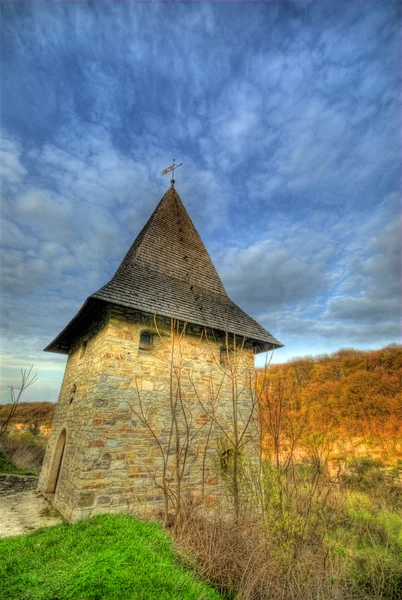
[56, 463]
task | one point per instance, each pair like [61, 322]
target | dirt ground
[23, 512]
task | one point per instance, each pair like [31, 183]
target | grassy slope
[107, 557]
[7, 466]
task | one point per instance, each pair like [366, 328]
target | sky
[286, 116]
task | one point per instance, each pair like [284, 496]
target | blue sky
[286, 116]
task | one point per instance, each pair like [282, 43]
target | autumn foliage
[30, 413]
[339, 405]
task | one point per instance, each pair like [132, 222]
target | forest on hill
[30, 413]
[344, 404]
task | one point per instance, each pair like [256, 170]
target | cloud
[341, 292]
[290, 144]
[65, 231]
[262, 275]
[374, 275]
[12, 170]
[360, 309]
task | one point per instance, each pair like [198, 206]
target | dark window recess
[72, 393]
[146, 341]
[83, 349]
[226, 455]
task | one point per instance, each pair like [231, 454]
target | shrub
[370, 476]
[300, 536]
[25, 450]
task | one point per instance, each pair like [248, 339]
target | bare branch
[27, 379]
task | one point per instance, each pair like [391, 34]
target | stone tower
[162, 333]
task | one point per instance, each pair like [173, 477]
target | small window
[83, 349]
[146, 341]
[72, 393]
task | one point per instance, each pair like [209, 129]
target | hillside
[350, 402]
[320, 519]
[30, 413]
[22, 449]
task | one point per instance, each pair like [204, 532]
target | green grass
[107, 557]
[7, 466]
[370, 540]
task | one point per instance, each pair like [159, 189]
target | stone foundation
[13, 484]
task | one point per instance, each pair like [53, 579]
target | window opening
[146, 340]
[72, 393]
[83, 349]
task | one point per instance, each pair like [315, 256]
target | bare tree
[302, 500]
[27, 379]
[236, 391]
[229, 415]
[178, 444]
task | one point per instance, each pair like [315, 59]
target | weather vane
[171, 168]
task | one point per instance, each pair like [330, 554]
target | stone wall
[13, 484]
[117, 405]
[73, 413]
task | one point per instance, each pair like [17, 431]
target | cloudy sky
[286, 116]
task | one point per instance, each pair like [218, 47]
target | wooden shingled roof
[168, 272]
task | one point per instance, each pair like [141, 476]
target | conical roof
[170, 245]
[168, 272]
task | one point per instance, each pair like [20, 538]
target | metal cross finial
[171, 168]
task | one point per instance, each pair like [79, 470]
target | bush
[370, 476]
[25, 450]
[7, 466]
[245, 563]
[300, 536]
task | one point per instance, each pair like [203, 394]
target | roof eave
[62, 346]
[57, 346]
[265, 345]
[259, 348]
